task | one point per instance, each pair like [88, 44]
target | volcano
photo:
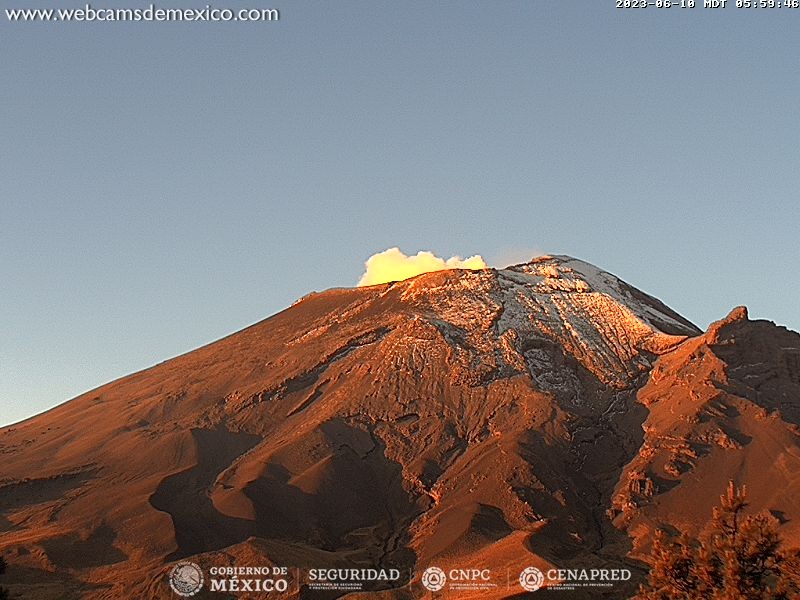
[545, 415]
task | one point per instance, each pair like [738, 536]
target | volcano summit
[547, 415]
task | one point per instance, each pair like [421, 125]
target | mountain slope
[460, 417]
[725, 405]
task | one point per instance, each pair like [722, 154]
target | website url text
[149, 14]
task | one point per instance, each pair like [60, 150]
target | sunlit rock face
[545, 414]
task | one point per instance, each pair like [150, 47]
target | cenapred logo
[434, 579]
[531, 579]
[186, 579]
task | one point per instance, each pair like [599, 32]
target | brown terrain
[543, 415]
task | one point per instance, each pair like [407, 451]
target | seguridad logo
[349, 579]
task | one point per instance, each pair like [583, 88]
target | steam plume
[393, 265]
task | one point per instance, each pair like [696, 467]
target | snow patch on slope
[608, 326]
[543, 316]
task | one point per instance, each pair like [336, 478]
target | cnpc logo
[434, 579]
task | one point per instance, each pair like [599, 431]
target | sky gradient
[165, 184]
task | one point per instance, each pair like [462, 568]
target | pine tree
[737, 557]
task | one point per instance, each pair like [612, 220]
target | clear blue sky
[162, 185]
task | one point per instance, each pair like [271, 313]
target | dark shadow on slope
[762, 365]
[31, 583]
[36, 491]
[72, 552]
[199, 527]
[579, 473]
[6, 525]
[352, 503]
[355, 508]
[489, 522]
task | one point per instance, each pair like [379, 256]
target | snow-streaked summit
[571, 274]
[539, 317]
[609, 326]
